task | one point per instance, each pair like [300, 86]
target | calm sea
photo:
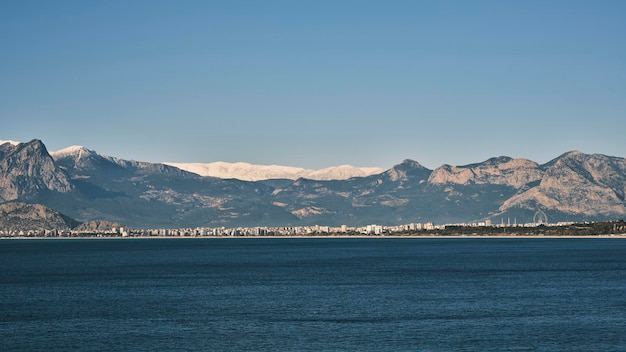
[313, 294]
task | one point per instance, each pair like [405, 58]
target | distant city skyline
[316, 84]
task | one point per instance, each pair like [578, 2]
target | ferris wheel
[540, 218]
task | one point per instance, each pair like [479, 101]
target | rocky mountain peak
[491, 162]
[574, 153]
[501, 170]
[412, 164]
[571, 155]
[80, 160]
[75, 150]
[573, 186]
[451, 174]
[17, 216]
[27, 168]
[578, 183]
[408, 169]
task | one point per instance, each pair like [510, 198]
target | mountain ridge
[241, 170]
[26, 169]
[252, 172]
[89, 186]
[18, 216]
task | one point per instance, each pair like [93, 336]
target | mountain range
[250, 172]
[86, 185]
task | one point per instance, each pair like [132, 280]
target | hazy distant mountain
[90, 186]
[342, 172]
[10, 142]
[250, 172]
[98, 226]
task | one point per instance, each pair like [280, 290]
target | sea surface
[325, 294]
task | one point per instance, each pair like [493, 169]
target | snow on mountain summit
[250, 172]
[240, 170]
[72, 150]
[10, 142]
[343, 172]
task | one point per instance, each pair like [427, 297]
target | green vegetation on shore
[572, 230]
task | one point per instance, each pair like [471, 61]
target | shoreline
[611, 236]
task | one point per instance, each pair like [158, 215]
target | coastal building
[374, 230]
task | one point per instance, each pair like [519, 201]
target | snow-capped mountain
[72, 150]
[86, 186]
[250, 172]
[82, 162]
[240, 170]
[343, 172]
[13, 143]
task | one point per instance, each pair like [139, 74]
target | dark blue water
[313, 294]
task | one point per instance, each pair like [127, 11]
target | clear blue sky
[316, 83]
